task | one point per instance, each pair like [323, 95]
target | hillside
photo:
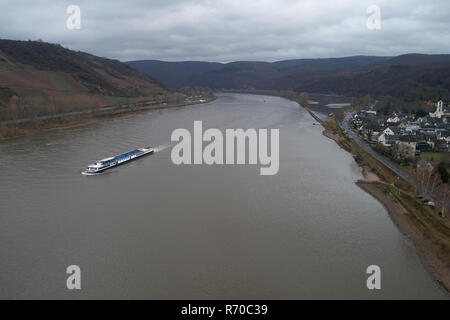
[411, 77]
[174, 74]
[38, 78]
[245, 74]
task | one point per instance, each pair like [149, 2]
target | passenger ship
[108, 163]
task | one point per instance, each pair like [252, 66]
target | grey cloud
[229, 30]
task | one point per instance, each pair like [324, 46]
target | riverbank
[431, 252]
[64, 121]
[430, 236]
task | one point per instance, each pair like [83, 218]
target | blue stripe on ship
[122, 156]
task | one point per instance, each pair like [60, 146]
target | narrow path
[72, 113]
[143, 104]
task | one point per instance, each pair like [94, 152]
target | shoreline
[434, 255]
[73, 121]
[431, 253]
[428, 251]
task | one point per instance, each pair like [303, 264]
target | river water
[150, 229]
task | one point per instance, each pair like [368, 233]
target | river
[154, 230]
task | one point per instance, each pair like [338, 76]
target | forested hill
[40, 78]
[411, 77]
[174, 74]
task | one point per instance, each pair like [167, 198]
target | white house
[394, 119]
[383, 137]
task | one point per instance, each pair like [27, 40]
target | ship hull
[118, 162]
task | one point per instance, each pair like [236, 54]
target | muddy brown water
[154, 230]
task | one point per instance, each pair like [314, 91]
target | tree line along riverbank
[30, 126]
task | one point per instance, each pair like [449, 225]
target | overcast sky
[230, 30]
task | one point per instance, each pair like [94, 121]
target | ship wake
[162, 147]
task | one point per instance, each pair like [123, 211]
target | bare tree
[304, 99]
[422, 176]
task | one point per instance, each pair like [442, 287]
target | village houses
[406, 135]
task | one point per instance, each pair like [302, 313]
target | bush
[383, 150]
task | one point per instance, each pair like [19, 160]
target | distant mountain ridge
[174, 74]
[411, 76]
[178, 74]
